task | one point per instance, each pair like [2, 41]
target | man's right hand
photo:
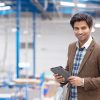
[59, 78]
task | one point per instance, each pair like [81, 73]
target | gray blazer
[89, 70]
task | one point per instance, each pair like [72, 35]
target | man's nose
[80, 32]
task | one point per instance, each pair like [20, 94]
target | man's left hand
[76, 81]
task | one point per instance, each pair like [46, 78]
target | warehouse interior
[34, 36]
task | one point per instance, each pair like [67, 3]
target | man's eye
[83, 28]
[75, 29]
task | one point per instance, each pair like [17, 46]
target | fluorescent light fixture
[97, 25]
[81, 5]
[5, 8]
[70, 4]
[2, 4]
[67, 4]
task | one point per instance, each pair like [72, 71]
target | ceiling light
[67, 4]
[5, 8]
[97, 25]
[70, 4]
[2, 4]
[81, 5]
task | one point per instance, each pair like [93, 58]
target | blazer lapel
[72, 55]
[87, 55]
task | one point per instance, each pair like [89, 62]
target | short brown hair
[82, 17]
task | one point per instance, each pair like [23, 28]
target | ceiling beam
[41, 9]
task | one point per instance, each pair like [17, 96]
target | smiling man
[83, 61]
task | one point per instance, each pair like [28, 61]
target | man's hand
[76, 81]
[59, 78]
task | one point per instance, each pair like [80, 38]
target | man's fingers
[59, 78]
[71, 78]
[55, 75]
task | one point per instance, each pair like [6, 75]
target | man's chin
[82, 40]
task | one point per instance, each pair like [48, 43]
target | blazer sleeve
[93, 83]
[67, 65]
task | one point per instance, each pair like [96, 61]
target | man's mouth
[80, 36]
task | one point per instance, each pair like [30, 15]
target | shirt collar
[87, 44]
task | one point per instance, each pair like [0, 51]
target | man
[83, 61]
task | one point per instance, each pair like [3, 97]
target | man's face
[82, 31]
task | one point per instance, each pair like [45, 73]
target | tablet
[61, 71]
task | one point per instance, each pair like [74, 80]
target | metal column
[18, 8]
[34, 40]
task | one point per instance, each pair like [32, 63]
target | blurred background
[34, 36]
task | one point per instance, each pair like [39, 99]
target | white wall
[51, 48]
[52, 39]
